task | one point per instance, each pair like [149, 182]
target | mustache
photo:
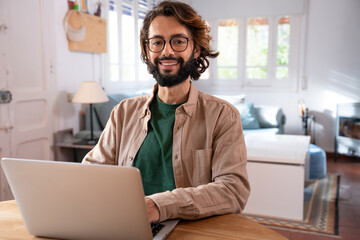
[171, 57]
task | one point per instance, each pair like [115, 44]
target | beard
[167, 80]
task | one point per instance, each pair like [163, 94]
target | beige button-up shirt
[209, 154]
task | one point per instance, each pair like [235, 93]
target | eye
[156, 42]
[179, 41]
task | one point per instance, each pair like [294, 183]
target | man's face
[170, 67]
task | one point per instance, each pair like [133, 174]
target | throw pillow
[248, 116]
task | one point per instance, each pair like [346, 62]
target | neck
[176, 94]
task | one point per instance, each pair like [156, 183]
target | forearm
[226, 195]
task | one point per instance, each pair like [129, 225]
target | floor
[349, 200]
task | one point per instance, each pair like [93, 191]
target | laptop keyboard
[156, 227]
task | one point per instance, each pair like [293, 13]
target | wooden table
[226, 227]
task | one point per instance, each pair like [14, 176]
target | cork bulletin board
[95, 37]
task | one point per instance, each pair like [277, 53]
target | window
[228, 47]
[257, 53]
[125, 19]
[259, 50]
[257, 44]
[283, 46]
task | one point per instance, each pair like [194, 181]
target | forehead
[167, 27]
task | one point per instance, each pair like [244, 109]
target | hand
[153, 211]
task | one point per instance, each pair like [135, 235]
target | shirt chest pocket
[201, 171]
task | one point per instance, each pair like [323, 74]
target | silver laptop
[78, 201]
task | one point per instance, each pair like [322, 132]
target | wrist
[153, 210]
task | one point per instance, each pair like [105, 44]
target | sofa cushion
[269, 116]
[248, 116]
[103, 111]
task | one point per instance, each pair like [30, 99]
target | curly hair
[188, 17]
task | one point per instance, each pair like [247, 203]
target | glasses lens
[156, 44]
[179, 44]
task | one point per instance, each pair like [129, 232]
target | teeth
[168, 64]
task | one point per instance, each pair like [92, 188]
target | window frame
[271, 83]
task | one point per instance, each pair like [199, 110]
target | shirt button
[131, 158]
[145, 131]
[176, 156]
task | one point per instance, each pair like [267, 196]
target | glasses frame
[148, 41]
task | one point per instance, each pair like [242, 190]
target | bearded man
[188, 146]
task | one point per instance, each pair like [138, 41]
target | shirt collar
[150, 97]
[188, 107]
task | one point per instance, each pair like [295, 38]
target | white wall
[332, 62]
[332, 67]
[71, 69]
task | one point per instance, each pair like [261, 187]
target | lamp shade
[90, 92]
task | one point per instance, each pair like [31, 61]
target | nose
[167, 51]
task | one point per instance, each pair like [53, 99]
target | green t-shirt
[154, 159]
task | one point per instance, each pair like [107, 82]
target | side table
[66, 148]
[277, 168]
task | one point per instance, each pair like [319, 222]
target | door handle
[5, 97]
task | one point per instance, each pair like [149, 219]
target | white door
[25, 71]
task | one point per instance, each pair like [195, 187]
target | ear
[147, 54]
[196, 52]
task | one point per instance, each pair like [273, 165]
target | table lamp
[90, 92]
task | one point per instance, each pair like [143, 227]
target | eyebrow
[172, 36]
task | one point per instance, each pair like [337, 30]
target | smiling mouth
[168, 63]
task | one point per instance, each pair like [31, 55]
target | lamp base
[87, 142]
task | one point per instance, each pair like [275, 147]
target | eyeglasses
[178, 44]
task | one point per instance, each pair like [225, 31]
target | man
[188, 146]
